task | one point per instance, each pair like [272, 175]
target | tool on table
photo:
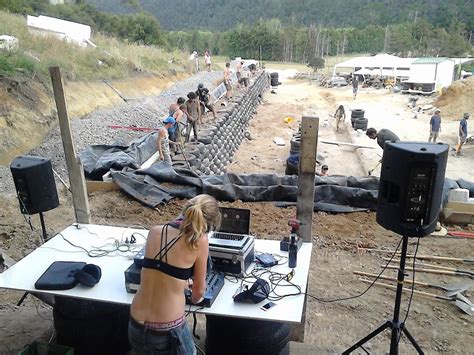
[427, 257]
[450, 289]
[460, 304]
[286, 241]
[432, 271]
[434, 266]
[375, 167]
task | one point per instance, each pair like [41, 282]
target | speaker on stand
[35, 186]
[409, 202]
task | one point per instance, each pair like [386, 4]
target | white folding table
[111, 288]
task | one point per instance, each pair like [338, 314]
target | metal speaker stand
[395, 324]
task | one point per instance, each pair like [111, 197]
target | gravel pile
[143, 112]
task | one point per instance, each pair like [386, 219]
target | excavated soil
[457, 99]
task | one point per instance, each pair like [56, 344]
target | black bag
[59, 276]
[64, 275]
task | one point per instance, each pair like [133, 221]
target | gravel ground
[143, 112]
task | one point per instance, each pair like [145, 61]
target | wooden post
[305, 201]
[307, 165]
[74, 166]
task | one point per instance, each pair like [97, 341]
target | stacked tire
[246, 336]
[274, 79]
[358, 120]
[90, 327]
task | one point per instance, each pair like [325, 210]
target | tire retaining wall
[219, 139]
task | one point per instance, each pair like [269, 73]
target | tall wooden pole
[74, 165]
[305, 200]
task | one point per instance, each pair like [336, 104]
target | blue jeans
[146, 341]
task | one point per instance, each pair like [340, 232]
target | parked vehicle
[337, 81]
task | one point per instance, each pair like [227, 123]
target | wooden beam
[307, 165]
[305, 200]
[150, 161]
[74, 165]
[93, 186]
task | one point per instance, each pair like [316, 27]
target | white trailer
[428, 75]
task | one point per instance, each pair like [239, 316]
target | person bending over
[205, 98]
[174, 253]
[164, 142]
[382, 136]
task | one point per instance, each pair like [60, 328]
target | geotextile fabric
[350, 193]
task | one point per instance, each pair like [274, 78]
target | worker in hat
[164, 139]
[435, 126]
[462, 133]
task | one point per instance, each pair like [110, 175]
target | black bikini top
[158, 264]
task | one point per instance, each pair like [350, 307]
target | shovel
[466, 308]
[375, 167]
[450, 289]
[184, 155]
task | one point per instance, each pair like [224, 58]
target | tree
[316, 63]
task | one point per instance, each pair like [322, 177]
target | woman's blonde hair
[200, 215]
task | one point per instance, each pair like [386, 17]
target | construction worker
[355, 85]
[462, 133]
[383, 136]
[340, 116]
[435, 126]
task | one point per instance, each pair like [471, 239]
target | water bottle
[292, 252]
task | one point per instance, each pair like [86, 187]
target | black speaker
[411, 187]
[34, 183]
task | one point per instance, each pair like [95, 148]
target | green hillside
[222, 14]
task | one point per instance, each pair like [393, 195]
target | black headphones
[89, 275]
[255, 294]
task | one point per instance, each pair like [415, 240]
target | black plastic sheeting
[99, 159]
[332, 194]
[160, 183]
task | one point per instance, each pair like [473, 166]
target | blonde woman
[174, 253]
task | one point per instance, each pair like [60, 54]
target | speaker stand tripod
[395, 325]
[43, 228]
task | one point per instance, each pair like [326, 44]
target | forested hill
[223, 14]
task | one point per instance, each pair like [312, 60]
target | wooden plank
[150, 161]
[346, 144]
[93, 186]
[74, 165]
[305, 199]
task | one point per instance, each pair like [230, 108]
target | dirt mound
[457, 99]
